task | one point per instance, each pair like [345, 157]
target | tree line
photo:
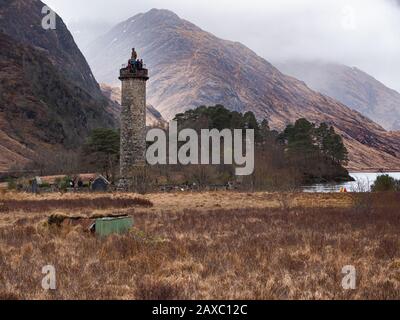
[302, 153]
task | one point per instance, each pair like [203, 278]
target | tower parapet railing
[127, 72]
[125, 65]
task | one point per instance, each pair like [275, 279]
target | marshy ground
[219, 245]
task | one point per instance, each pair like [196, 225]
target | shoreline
[372, 171]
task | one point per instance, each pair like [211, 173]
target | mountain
[190, 67]
[49, 98]
[85, 31]
[351, 86]
[153, 117]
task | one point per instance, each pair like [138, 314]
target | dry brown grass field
[203, 246]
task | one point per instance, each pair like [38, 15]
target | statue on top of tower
[134, 63]
[134, 54]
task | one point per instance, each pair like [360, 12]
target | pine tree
[102, 149]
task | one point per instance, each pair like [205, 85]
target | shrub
[159, 289]
[63, 184]
[385, 183]
[11, 184]
[45, 186]
[56, 219]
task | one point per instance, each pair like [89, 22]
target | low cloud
[361, 33]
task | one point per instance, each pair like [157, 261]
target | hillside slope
[351, 86]
[49, 99]
[190, 67]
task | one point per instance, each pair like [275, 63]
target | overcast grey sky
[362, 33]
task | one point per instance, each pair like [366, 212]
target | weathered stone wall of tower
[133, 124]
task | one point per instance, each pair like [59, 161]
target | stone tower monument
[133, 119]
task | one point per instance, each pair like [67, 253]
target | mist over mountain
[350, 32]
[351, 86]
[49, 99]
[84, 32]
[190, 67]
